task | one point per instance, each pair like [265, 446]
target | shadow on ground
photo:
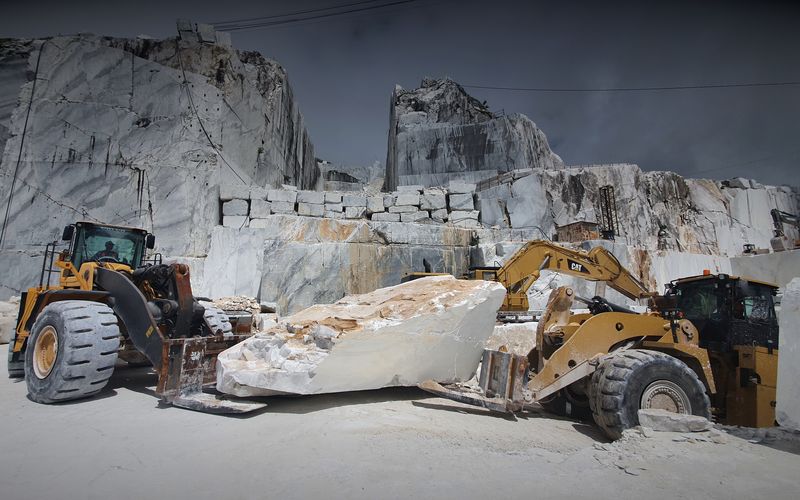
[319, 402]
[143, 380]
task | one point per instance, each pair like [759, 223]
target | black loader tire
[87, 343]
[218, 321]
[622, 379]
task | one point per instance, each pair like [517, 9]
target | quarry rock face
[299, 261]
[137, 132]
[439, 133]
[656, 210]
[430, 328]
[787, 411]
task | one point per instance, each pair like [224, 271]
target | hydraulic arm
[780, 218]
[598, 264]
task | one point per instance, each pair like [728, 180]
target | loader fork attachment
[503, 381]
[189, 365]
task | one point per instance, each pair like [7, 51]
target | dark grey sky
[343, 70]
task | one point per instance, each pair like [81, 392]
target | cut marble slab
[787, 412]
[430, 328]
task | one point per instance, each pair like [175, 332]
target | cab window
[699, 302]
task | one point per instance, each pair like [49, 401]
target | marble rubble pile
[249, 207]
[439, 133]
[430, 328]
[238, 303]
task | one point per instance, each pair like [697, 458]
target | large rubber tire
[218, 321]
[87, 336]
[617, 388]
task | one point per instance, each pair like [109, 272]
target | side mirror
[150, 241]
[68, 232]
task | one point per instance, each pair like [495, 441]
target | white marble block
[430, 328]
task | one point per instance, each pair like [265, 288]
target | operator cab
[728, 310]
[105, 243]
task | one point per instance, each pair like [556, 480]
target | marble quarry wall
[656, 210]
[296, 261]
[137, 132]
[243, 207]
[439, 133]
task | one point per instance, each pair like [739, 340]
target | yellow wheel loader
[708, 347]
[111, 303]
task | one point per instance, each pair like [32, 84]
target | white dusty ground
[391, 443]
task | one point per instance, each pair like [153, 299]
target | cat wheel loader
[110, 302]
[707, 347]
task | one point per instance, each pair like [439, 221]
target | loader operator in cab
[109, 252]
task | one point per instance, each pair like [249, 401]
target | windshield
[699, 301]
[108, 244]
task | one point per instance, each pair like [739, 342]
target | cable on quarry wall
[197, 115]
[21, 145]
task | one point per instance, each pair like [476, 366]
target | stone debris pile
[430, 328]
[245, 206]
[238, 303]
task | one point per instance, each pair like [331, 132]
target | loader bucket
[189, 365]
[503, 379]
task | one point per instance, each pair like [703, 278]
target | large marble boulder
[430, 328]
[778, 268]
[439, 133]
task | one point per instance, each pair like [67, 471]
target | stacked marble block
[244, 206]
